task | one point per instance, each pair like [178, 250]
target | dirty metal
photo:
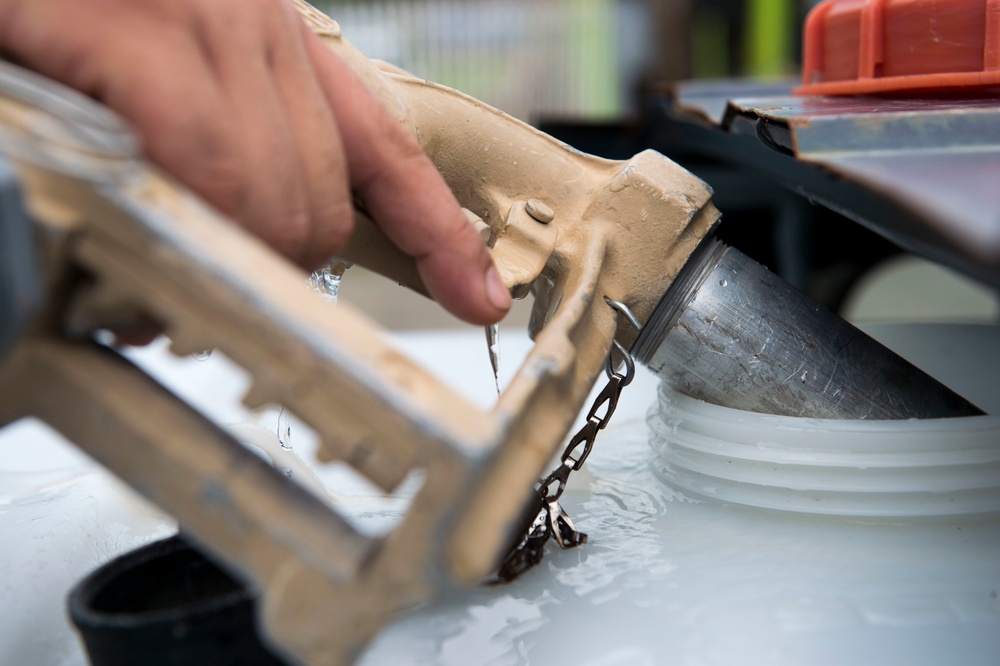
[921, 172]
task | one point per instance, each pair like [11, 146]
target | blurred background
[583, 59]
[590, 72]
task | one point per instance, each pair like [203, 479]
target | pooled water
[671, 578]
[667, 577]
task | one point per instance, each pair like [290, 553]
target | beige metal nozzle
[122, 239]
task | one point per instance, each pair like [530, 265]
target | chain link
[582, 443]
[548, 519]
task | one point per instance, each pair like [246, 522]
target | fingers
[274, 206]
[243, 105]
[149, 67]
[409, 200]
[219, 97]
[317, 136]
[304, 209]
[193, 139]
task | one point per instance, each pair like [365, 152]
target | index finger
[409, 199]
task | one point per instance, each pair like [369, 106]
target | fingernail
[496, 290]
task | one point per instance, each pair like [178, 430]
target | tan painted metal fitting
[148, 247]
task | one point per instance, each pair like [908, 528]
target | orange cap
[877, 46]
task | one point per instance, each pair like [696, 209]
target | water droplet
[723, 283]
[285, 429]
[493, 344]
[202, 355]
[326, 281]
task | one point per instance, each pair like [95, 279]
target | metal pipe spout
[730, 332]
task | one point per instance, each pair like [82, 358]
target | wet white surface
[667, 577]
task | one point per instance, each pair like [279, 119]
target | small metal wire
[624, 311]
[611, 368]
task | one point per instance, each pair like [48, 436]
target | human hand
[244, 105]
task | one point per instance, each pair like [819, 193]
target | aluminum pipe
[730, 332]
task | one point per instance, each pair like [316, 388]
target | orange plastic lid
[876, 46]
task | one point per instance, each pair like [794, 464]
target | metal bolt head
[539, 211]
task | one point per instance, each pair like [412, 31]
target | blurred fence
[531, 58]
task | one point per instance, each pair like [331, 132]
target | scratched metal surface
[734, 334]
